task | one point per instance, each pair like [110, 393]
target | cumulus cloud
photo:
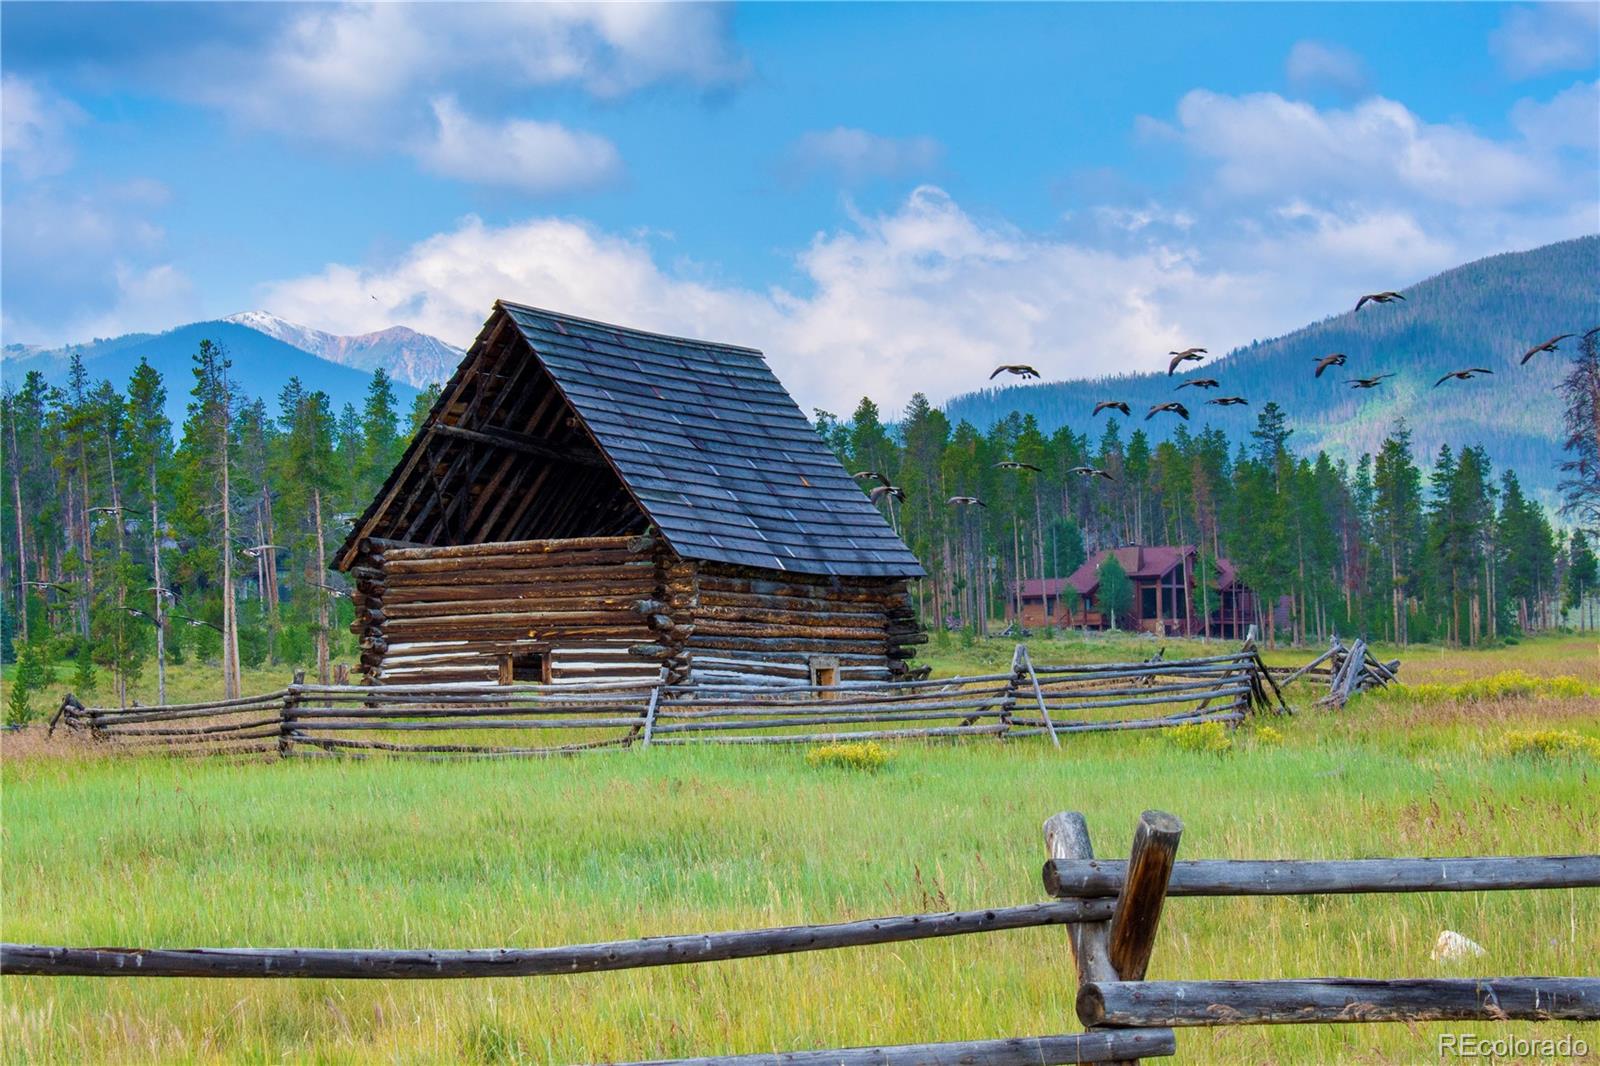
[1266, 145]
[1315, 67]
[35, 128]
[1548, 38]
[854, 154]
[1570, 119]
[531, 156]
[924, 297]
[96, 260]
[361, 74]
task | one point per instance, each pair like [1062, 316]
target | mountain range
[1484, 314]
[266, 352]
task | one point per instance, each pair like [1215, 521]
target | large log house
[588, 501]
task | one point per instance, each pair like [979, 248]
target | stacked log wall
[754, 625]
[450, 614]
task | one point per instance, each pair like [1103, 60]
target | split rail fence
[488, 720]
[1112, 911]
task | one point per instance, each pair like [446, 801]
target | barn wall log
[450, 614]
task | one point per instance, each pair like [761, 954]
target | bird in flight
[1228, 401]
[1368, 383]
[1547, 346]
[1174, 406]
[1091, 471]
[1012, 464]
[1378, 298]
[966, 501]
[1462, 375]
[1022, 370]
[1193, 355]
[1200, 383]
[1331, 359]
[880, 491]
[869, 475]
[1110, 405]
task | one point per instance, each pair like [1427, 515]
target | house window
[1147, 601]
[525, 668]
[824, 671]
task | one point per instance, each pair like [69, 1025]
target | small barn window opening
[525, 668]
[824, 671]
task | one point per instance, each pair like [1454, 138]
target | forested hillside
[1484, 314]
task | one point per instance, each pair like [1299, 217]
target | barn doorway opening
[825, 672]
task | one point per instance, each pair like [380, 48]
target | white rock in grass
[1452, 947]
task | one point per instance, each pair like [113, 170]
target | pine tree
[149, 441]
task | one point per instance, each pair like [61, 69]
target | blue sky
[884, 197]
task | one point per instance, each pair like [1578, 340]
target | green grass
[524, 853]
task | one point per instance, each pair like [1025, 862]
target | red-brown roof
[1142, 562]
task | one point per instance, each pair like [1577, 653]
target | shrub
[869, 756]
[1210, 737]
[1549, 744]
[28, 678]
[1506, 685]
[1268, 737]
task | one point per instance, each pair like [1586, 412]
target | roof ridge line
[631, 329]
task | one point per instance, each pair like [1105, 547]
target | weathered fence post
[1021, 656]
[1066, 836]
[291, 700]
[650, 708]
[1138, 914]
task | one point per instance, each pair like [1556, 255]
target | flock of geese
[1194, 355]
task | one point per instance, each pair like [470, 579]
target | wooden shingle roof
[714, 449]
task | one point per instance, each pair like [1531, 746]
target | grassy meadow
[167, 852]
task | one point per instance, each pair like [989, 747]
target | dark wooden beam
[519, 442]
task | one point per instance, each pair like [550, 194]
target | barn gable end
[586, 500]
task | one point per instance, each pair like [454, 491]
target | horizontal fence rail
[1170, 1004]
[1087, 879]
[483, 720]
[1109, 1046]
[356, 963]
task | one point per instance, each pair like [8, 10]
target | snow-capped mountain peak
[408, 356]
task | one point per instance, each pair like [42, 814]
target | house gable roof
[1141, 562]
[709, 445]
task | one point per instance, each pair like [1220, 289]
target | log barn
[592, 502]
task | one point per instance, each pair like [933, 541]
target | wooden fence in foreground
[1112, 911]
[492, 721]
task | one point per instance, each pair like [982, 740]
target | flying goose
[1173, 406]
[1012, 464]
[1228, 401]
[1200, 383]
[880, 491]
[1193, 355]
[1378, 298]
[1368, 383]
[1021, 370]
[966, 501]
[1462, 375]
[1547, 346]
[1331, 359]
[1091, 471]
[1110, 405]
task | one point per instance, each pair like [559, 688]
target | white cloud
[1548, 38]
[96, 261]
[361, 74]
[856, 154]
[35, 128]
[1265, 145]
[1313, 66]
[1570, 119]
[534, 157]
[922, 298]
